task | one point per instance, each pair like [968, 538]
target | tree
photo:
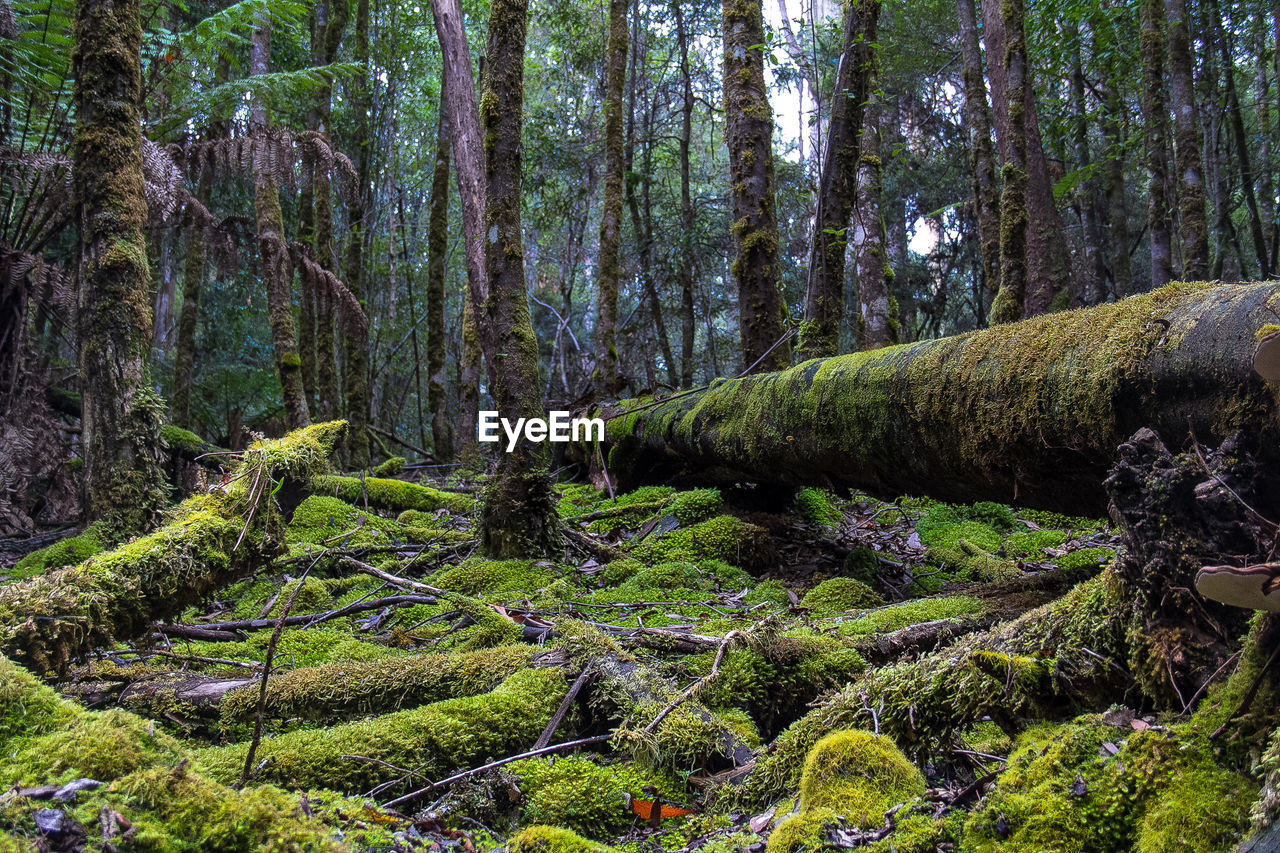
[437, 248]
[749, 134]
[875, 276]
[1015, 221]
[1155, 111]
[982, 155]
[1192, 223]
[609, 264]
[837, 186]
[684, 269]
[356, 341]
[121, 418]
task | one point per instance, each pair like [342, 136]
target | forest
[640, 426]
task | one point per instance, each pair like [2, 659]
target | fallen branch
[200, 632]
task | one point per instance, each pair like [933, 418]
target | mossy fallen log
[210, 540]
[1028, 412]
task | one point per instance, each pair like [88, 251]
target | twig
[306, 619]
[400, 441]
[701, 682]
[1248, 696]
[1194, 696]
[394, 580]
[466, 774]
[588, 672]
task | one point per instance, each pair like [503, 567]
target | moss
[838, 596]
[65, 552]
[182, 440]
[815, 507]
[860, 774]
[495, 577]
[549, 839]
[804, 832]
[1196, 810]
[1033, 543]
[886, 619]
[619, 571]
[299, 647]
[697, 505]
[724, 537]
[577, 793]
[1046, 519]
[1085, 559]
[393, 495]
[772, 591]
[390, 468]
[432, 739]
[327, 521]
[102, 746]
[863, 564]
[949, 536]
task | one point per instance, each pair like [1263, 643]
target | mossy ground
[372, 704]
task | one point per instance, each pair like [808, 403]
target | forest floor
[709, 670]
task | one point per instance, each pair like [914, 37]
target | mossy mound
[1032, 543]
[392, 495]
[498, 578]
[838, 596]
[724, 537]
[815, 506]
[550, 839]
[696, 505]
[580, 794]
[897, 616]
[321, 520]
[65, 552]
[390, 468]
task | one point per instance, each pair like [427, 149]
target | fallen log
[1027, 412]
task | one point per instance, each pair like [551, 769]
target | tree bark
[1010, 301]
[838, 185]
[189, 317]
[273, 253]
[1155, 111]
[1117, 200]
[356, 337]
[609, 264]
[124, 481]
[684, 267]
[982, 155]
[1193, 226]
[1029, 413]
[437, 249]
[519, 516]
[1092, 274]
[749, 134]
[875, 277]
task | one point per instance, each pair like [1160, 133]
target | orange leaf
[644, 808]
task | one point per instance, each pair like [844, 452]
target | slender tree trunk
[684, 264]
[121, 415]
[355, 341]
[1117, 199]
[470, 368]
[1193, 226]
[1236, 119]
[1266, 184]
[437, 249]
[273, 254]
[749, 133]
[1009, 304]
[1044, 268]
[1155, 111]
[519, 516]
[609, 264]
[837, 187]
[189, 317]
[328, 392]
[875, 278]
[1093, 271]
[164, 327]
[982, 155]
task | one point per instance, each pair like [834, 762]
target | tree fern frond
[320, 280]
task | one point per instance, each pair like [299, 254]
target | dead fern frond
[162, 182]
[319, 280]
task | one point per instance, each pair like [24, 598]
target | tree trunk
[749, 134]
[124, 481]
[1093, 272]
[273, 254]
[437, 249]
[605, 377]
[1266, 184]
[1193, 226]
[982, 155]
[838, 185]
[1045, 272]
[875, 278]
[356, 337]
[1010, 301]
[684, 266]
[1155, 112]
[519, 516]
[192, 283]
[1029, 413]
[1117, 200]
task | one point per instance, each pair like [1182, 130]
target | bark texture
[982, 155]
[1193, 227]
[684, 269]
[1155, 113]
[189, 317]
[1029, 412]
[124, 481]
[749, 133]
[838, 187]
[875, 277]
[437, 249]
[356, 340]
[609, 264]
[1010, 301]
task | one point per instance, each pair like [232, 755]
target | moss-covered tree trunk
[273, 253]
[1193, 227]
[749, 134]
[875, 278]
[1010, 301]
[519, 515]
[1155, 112]
[355, 341]
[192, 282]
[437, 249]
[1090, 278]
[684, 268]
[1117, 197]
[609, 259]
[982, 155]
[1028, 412]
[837, 193]
[124, 481]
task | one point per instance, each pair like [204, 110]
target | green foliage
[815, 507]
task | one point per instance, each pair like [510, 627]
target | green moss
[839, 596]
[619, 571]
[549, 839]
[65, 552]
[1032, 543]
[183, 440]
[393, 495]
[1201, 809]
[772, 591]
[724, 537]
[886, 619]
[102, 746]
[491, 578]
[949, 536]
[390, 468]
[577, 793]
[859, 774]
[433, 739]
[1064, 522]
[697, 505]
[804, 832]
[815, 507]
[1085, 559]
[863, 564]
